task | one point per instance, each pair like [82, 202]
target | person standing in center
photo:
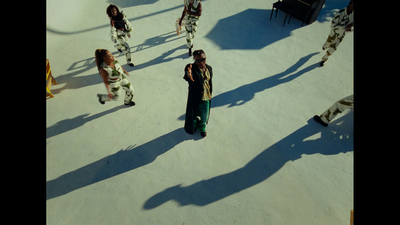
[191, 12]
[199, 77]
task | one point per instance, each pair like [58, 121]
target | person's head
[350, 6]
[113, 11]
[199, 57]
[103, 55]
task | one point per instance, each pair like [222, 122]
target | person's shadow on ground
[336, 138]
[245, 93]
[123, 161]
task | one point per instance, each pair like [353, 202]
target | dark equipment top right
[305, 10]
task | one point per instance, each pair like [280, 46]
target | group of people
[113, 74]
[198, 74]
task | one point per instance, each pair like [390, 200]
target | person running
[191, 12]
[121, 30]
[342, 22]
[114, 78]
[199, 77]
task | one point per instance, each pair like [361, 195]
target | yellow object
[352, 217]
[50, 79]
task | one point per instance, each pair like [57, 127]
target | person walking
[342, 22]
[114, 78]
[199, 77]
[191, 12]
[121, 30]
[338, 107]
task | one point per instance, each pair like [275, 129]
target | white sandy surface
[264, 161]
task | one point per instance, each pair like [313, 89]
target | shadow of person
[157, 40]
[130, 3]
[70, 124]
[122, 161]
[336, 138]
[330, 8]
[163, 58]
[73, 81]
[76, 78]
[245, 93]
[55, 31]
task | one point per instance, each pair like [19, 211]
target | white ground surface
[263, 162]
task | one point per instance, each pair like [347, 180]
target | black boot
[318, 120]
[102, 102]
[132, 103]
[190, 51]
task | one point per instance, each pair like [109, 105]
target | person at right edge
[199, 77]
[338, 107]
[191, 12]
[342, 22]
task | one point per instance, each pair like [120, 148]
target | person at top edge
[121, 30]
[342, 22]
[191, 13]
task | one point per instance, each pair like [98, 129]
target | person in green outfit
[199, 77]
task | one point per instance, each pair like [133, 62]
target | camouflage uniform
[338, 107]
[117, 79]
[191, 22]
[121, 36]
[339, 22]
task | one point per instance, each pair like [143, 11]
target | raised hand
[189, 72]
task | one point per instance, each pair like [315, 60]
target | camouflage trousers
[115, 90]
[122, 39]
[332, 43]
[191, 23]
[338, 107]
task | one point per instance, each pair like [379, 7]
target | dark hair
[99, 57]
[110, 7]
[198, 52]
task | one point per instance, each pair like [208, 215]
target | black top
[118, 22]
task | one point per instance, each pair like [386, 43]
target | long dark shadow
[245, 93]
[70, 124]
[336, 138]
[130, 3]
[123, 161]
[108, 25]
